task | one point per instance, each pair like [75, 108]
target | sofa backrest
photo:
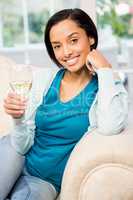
[5, 120]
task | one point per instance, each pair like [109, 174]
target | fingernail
[22, 111]
[88, 62]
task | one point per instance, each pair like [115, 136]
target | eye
[56, 47]
[74, 40]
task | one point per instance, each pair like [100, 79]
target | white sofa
[100, 167]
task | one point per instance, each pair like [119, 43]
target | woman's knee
[28, 188]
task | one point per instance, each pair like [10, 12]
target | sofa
[100, 167]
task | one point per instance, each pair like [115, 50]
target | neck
[80, 76]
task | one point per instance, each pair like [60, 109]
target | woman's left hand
[95, 60]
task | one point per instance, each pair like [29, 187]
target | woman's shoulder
[42, 75]
[42, 78]
[44, 72]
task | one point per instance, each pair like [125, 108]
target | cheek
[57, 55]
[83, 47]
[85, 52]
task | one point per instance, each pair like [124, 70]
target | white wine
[21, 87]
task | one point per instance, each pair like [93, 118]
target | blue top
[59, 126]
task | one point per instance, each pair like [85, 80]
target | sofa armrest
[93, 152]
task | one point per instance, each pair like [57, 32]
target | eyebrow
[69, 36]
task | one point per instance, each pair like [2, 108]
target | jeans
[15, 182]
[11, 165]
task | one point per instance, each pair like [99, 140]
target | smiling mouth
[72, 61]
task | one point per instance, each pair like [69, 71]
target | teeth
[72, 61]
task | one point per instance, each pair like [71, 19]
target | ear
[92, 41]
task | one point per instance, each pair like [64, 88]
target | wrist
[106, 66]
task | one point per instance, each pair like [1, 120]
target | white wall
[89, 6]
[34, 55]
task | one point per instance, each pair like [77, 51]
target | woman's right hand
[15, 105]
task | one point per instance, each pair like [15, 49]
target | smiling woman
[64, 105]
[75, 31]
[70, 44]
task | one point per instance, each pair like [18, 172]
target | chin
[75, 68]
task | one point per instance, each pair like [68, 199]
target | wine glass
[20, 79]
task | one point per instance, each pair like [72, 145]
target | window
[23, 21]
[11, 23]
[115, 27]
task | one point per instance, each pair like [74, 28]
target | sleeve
[23, 133]
[112, 106]
[22, 136]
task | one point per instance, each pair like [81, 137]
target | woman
[64, 105]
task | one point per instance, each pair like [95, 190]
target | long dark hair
[81, 18]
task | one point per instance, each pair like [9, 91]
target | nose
[67, 51]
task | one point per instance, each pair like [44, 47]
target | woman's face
[71, 44]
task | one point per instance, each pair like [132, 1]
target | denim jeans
[15, 182]
[11, 165]
[32, 188]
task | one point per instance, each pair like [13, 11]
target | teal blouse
[59, 126]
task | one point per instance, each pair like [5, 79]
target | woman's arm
[23, 133]
[22, 112]
[111, 107]
[112, 103]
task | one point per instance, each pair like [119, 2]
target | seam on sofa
[85, 179]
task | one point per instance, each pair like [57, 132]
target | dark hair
[80, 18]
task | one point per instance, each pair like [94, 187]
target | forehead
[64, 28]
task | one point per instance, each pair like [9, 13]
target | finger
[92, 67]
[14, 107]
[17, 97]
[14, 101]
[15, 112]
[89, 66]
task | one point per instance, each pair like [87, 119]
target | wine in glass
[20, 78]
